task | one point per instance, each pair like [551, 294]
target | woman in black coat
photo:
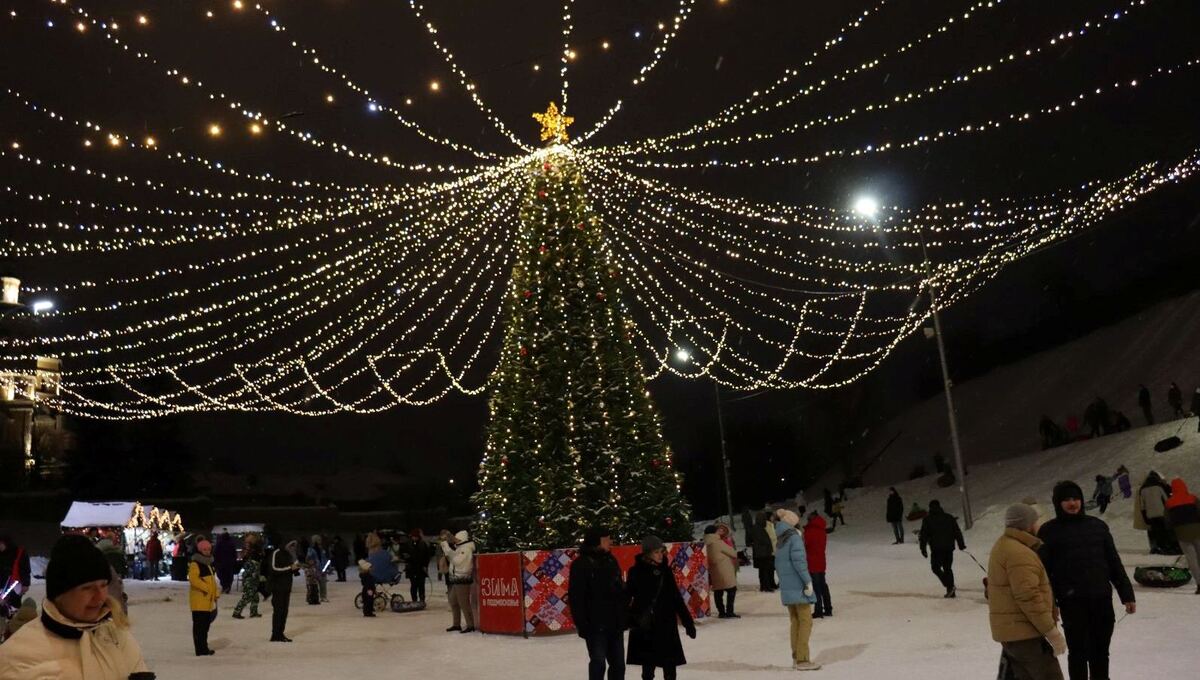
[655, 610]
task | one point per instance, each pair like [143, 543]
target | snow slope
[998, 412]
[890, 619]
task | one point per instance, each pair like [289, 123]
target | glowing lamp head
[143, 20]
[435, 85]
[255, 129]
[40, 306]
[866, 206]
[150, 141]
[683, 356]
[214, 130]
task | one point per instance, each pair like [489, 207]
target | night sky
[725, 51]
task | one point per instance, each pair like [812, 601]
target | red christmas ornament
[524, 351]
[600, 295]
[579, 226]
[670, 521]
[528, 294]
[546, 166]
[542, 249]
[541, 193]
[654, 463]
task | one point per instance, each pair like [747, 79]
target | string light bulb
[255, 129]
[143, 20]
[214, 130]
[435, 85]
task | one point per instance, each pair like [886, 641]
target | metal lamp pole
[724, 455]
[946, 383]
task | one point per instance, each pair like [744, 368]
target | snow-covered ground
[890, 620]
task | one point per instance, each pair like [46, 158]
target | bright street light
[41, 306]
[866, 206]
[683, 356]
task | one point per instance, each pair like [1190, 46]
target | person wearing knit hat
[598, 603]
[796, 590]
[81, 632]
[939, 534]
[656, 610]
[1084, 566]
[203, 592]
[1020, 605]
[787, 516]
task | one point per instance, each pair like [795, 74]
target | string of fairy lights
[219, 287]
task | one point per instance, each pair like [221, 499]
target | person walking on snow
[828, 503]
[1150, 508]
[1175, 399]
[251, 572]
[815, 538]
[339, 555]
[939, 534]
[795, 587]
[1183, 516]
[1144, 404]
[154, 555]
[722, 573]
[895, 514]
[283, 569]
[1083, 565]
[460, 577]
[82, 633]
[1103, 493]
[225, 560]
[416, 567]
[598, 602]
[656, 608]
[203, 593]
[1020, 605]
[368, 588]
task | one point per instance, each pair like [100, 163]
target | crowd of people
[1099, 419]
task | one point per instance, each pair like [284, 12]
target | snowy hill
[999, 411]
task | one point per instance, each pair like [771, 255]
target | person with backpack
[203, 593]
[895, 514]
[251, 571]
[796, 590]
[1084, 566]
[939, 534]
[1020, 605]
[283, 568]
[598, 602]
[656, 609]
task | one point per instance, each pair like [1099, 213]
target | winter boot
[951, 593]
[238, 616]
[806, 666]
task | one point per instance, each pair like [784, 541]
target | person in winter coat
[339, 556]
[460, 577]
[251, 572]
[15, 575]
[225, 560]
[1144, 404]
[1103, 493]
[154, 555]
[815, 538]
[764, 551]
[598, 602]
[382, 567]
[314, 571]
[416, 567]
[81, 634]
[895, 514]
[795, 587]
[1083, 565]
[1020, 604]
[360, 548]
[656, 608]
[722, 574]
[1175, 399]
[368, 588]
[203, 593]
[283, 568]
[1196, 406]
[1123, 482]
[1151, 509]
[828, 497]
[1183, 516]
[940, 533]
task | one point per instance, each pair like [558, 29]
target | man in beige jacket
[1020, 604]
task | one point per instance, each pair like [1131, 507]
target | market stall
[128, 524]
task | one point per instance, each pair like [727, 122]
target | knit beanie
[788, 517]
[1020, 516]
[591, 537]
[74, 561]
[651, 543]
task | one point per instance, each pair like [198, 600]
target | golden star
[554, 125]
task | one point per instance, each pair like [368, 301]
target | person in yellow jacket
[203, 593]
[1020, 603]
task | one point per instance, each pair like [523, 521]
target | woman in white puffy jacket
[82, 633]
[460, 576]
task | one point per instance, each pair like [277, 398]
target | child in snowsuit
[368, 587]
[251, 568]
[836, 515]
[1123, 482]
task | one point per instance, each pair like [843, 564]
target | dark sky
[724, 51]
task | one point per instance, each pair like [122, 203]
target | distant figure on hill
[1072, 428]
[1123, 482]
[828, 502]
[1196, 406]
[1103, 493]
[1144, 404]
[1096, 418]
[1052, 435]
[895, 514]
[940, 533]
[1183, 515]
[1175, 399]
[1120, 422]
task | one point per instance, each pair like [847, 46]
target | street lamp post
[724, 455]
[960, 469]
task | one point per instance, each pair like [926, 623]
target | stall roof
[83, 514]
[239, 528]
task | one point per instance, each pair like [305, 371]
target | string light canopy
[212, 284]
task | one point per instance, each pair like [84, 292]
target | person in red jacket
[154, 555]
[815, 537]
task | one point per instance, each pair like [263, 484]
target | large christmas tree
[574, 438]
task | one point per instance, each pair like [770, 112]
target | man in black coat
[1144, 404]
[598, 602]
[764, 553]
[1083, 566]
[1175, 399]
[283, 568]
[940, 533]
[895, 514]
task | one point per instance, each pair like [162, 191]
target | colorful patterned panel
[545, 574]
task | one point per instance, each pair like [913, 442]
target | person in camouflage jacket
[251, 567]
